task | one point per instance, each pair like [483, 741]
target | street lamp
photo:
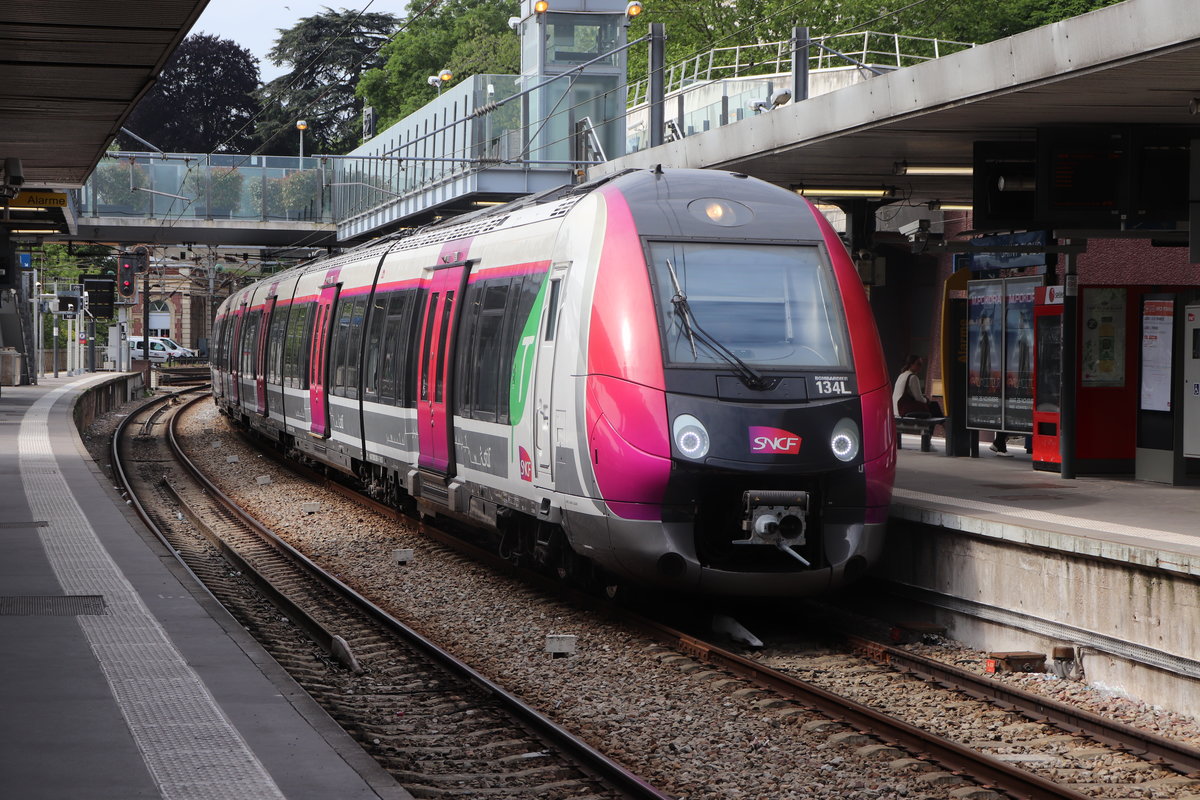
[302, 126]
[443, 77]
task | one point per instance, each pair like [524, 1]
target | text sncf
[773, 440]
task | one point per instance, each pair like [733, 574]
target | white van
[161, 349]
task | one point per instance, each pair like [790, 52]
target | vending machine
[1047, 387]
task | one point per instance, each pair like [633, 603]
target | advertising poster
[1018, 353]
[1158, 322]
[985, 360]
[1102, 360]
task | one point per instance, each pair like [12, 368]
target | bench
[921, 425]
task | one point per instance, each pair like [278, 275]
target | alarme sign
[773, 440]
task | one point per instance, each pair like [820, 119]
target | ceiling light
[813, 191]
[33, 209]
[904, 168]
[938, 205]
[34, 230]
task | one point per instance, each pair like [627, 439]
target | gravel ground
[694, 731]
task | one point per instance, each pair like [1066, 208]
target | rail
[881, 50]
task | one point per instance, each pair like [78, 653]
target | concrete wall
[106, 396]
[1118, 605]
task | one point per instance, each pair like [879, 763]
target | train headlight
[844, 441]
[691, 437]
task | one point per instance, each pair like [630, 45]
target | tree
[327, 54]
[468, 37]
[697, 26]
[202, 102]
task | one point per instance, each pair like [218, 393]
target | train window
[395, 372]
[443, 345]
[377, 318]
[770, 305]
[275, 344]
[218, 353]
[426, 345]
[345, 346]
[498, 320]
[294, 359]
[552, 310]
[353, 350]
[249, 348]
[482, 361]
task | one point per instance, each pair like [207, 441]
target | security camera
[514, 22]
[14, 175]
[759, 105]
[433, 81]
[915, 228]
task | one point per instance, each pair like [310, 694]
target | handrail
[888, 50]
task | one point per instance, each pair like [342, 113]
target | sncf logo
[526, 465]
[773, 440]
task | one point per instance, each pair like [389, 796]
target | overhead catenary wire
[490, 107]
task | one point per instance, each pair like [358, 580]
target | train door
[264, 334]
[434, 370]
[317, 384]
[544, 439]
[235, 355]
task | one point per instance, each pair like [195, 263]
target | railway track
[1044, 749]
[1087, 756]
[439, 727]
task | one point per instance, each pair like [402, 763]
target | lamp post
[436, 81]
[302, 126]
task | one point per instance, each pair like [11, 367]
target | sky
[255, 24]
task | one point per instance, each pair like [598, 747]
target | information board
[1158, 325]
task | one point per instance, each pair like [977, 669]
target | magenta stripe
[510, 271]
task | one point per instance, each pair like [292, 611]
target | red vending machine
[1047, 386]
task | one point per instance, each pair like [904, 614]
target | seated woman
[908, 398]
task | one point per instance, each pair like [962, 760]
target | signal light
[127, 265]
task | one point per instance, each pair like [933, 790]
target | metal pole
[799, 64]
[1070, 341]
[658, 57]
[146, 322]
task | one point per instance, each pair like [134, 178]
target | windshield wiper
[681, 307]
[748, 375]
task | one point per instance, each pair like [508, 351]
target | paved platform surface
[120, 677]
[1113, 517]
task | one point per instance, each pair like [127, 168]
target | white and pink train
[669, 377]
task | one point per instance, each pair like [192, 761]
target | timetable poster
[1018, 353]
[1102, 346]
[985, 359]
[1158, 324]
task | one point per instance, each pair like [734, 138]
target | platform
[1013, 559]
[121, 677]
[1115, 517]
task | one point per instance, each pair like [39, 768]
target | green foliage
[218, 188]
[468, 37]
[296, 195]
[111, 182]
[327, 54]
[697, 26]
[202, 102]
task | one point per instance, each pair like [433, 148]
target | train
[667, 378]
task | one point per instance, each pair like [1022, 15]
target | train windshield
[773, 306]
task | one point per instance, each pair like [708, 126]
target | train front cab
[740, 429]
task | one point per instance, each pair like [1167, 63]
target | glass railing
[442, 141]
[216, 186]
